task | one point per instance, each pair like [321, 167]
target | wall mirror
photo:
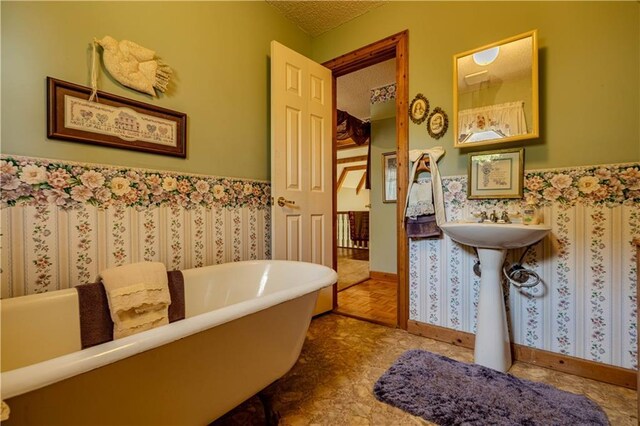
[495, 92]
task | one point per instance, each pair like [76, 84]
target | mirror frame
[534, 95]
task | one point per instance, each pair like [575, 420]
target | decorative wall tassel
[163, 76]
[135, 66]
[94, 72]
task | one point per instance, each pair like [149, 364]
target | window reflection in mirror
[495, 92]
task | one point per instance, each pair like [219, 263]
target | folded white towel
[420, 199]
[138, 295]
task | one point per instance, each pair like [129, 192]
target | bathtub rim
[32, 377]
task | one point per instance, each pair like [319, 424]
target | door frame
[395, 46]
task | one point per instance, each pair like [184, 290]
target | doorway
[367, 280]
[353, 198]
[394, 47]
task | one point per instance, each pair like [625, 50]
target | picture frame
[496, 174]
[419, 109]
[113, 121]
[437, 123]
[389, 177]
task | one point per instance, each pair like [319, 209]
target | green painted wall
[589, 70]
[589, 73]
[218, 50]
[382, 231]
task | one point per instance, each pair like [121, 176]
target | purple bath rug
[449, 392]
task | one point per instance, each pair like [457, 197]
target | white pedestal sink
[492, 240]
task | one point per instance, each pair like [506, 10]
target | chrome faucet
[493, 217]
[505, 217]
[483, 217]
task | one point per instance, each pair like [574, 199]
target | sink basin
[495, 235]
[492, 345]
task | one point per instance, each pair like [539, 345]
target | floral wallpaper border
[33, 181]
[383, 94]
[606, 185]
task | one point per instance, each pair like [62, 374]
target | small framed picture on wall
[113, 121]
[496, 174]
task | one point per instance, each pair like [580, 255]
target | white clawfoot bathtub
[244, 328]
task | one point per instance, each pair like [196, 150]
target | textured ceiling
[353, 90]
[318, 17]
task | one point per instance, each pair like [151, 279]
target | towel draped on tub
[96, 326]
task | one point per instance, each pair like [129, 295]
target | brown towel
[96, 326]
[424, 226]
[176, 290]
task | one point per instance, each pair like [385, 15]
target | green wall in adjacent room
[218, 50]
[589, 70]
[382, 232]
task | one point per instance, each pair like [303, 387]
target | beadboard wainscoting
[64, 222]
[586, 304]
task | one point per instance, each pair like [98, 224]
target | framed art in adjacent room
[113, 121]
[496, 174]
[389, 177]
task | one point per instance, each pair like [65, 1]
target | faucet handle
[505, 217]
[483, 216]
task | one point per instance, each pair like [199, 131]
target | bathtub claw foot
[271, 417]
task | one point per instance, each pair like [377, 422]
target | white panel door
[301, 122]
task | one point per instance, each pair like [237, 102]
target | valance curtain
[506, 119]
[350, 127]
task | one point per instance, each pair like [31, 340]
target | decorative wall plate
[419, 109]
[437, 123]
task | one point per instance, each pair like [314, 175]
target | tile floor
[332, 382]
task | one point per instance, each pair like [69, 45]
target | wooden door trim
[334, 172]
[370, 54]
[395, 46]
